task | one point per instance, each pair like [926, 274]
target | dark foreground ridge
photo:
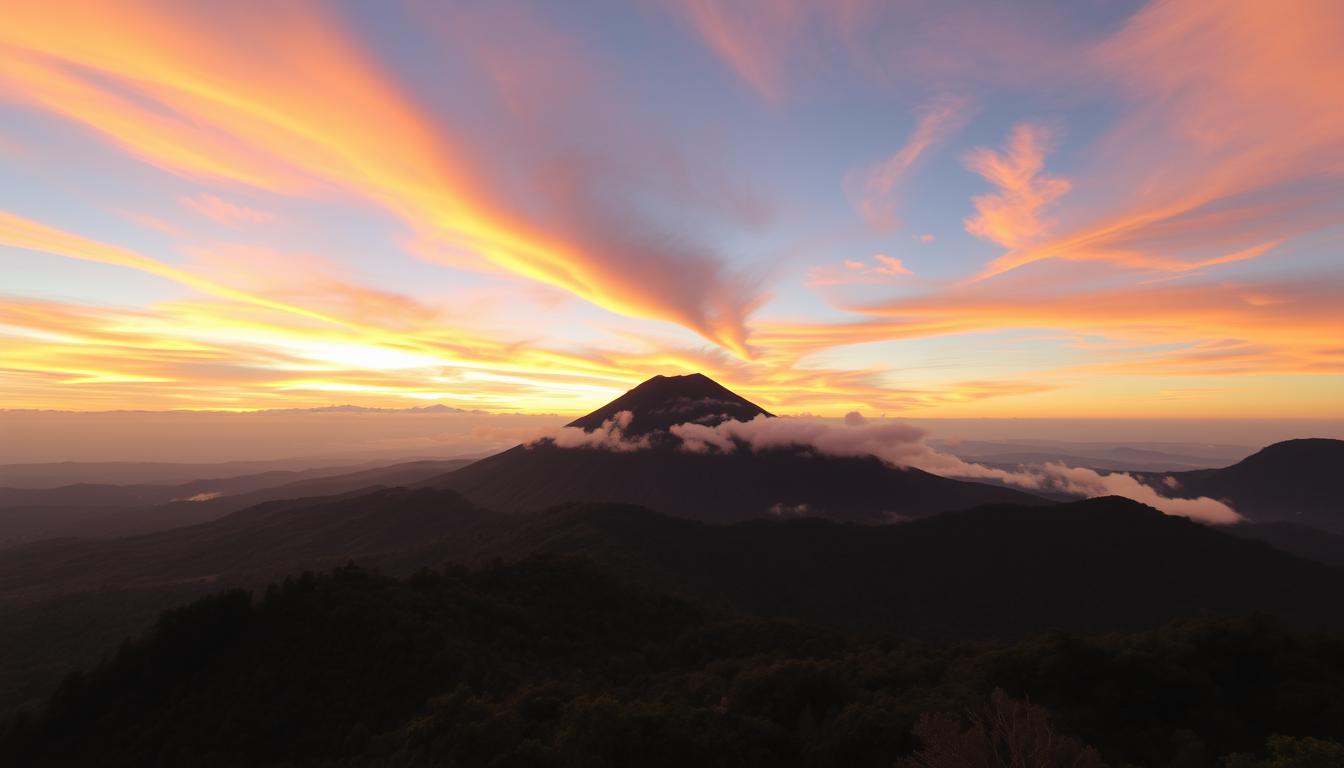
[551, 663]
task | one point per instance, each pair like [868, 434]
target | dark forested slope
[550, 662]
[1100, 564]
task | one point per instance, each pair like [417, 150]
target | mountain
[735, 485]
[996, 571]
[664, 401]
[1292, 481]
[64, 603]
[717, 487]
[100, 510]
[269, 538]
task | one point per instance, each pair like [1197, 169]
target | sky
[1093, 209]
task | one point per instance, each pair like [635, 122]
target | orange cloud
[262, 338]
[1224, 328]
[1234, 141]
[223, 353]
[871, 188]
[268, 100]
[1014, 216]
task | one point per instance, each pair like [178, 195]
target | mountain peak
[663, 401]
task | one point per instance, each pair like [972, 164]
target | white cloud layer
[610, 436]
[898, 444]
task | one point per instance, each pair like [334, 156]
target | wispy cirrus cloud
[1231, 327]
[224, 212]
[752, 38]
[1231, 142]
[872, 189]
[882, 268]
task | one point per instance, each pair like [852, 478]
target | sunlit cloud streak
[268, 103]
[1235, 139]
[230, 354]
[18, 232]
[1225, 327]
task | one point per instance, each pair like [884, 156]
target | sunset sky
[937, 209]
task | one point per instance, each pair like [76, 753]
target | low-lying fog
[298, 439]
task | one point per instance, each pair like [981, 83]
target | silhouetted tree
[1004, 733]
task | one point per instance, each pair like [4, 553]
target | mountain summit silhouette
[664, 401]
[717, 486]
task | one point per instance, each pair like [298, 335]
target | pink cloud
[881, 269]
[872, 188]
[1230, 140]
[609, 437]
[1014, 216]
[225, 212]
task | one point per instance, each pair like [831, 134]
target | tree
[1005, 733]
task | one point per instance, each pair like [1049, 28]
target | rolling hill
[993, 571]
[1293, 481]
[268, 539]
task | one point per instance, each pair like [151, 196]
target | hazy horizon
[222, 436]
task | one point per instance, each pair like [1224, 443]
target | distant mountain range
[435, 408]
[102, 509]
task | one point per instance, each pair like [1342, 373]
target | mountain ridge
[1288, 481]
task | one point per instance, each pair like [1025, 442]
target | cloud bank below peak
[896, 443]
